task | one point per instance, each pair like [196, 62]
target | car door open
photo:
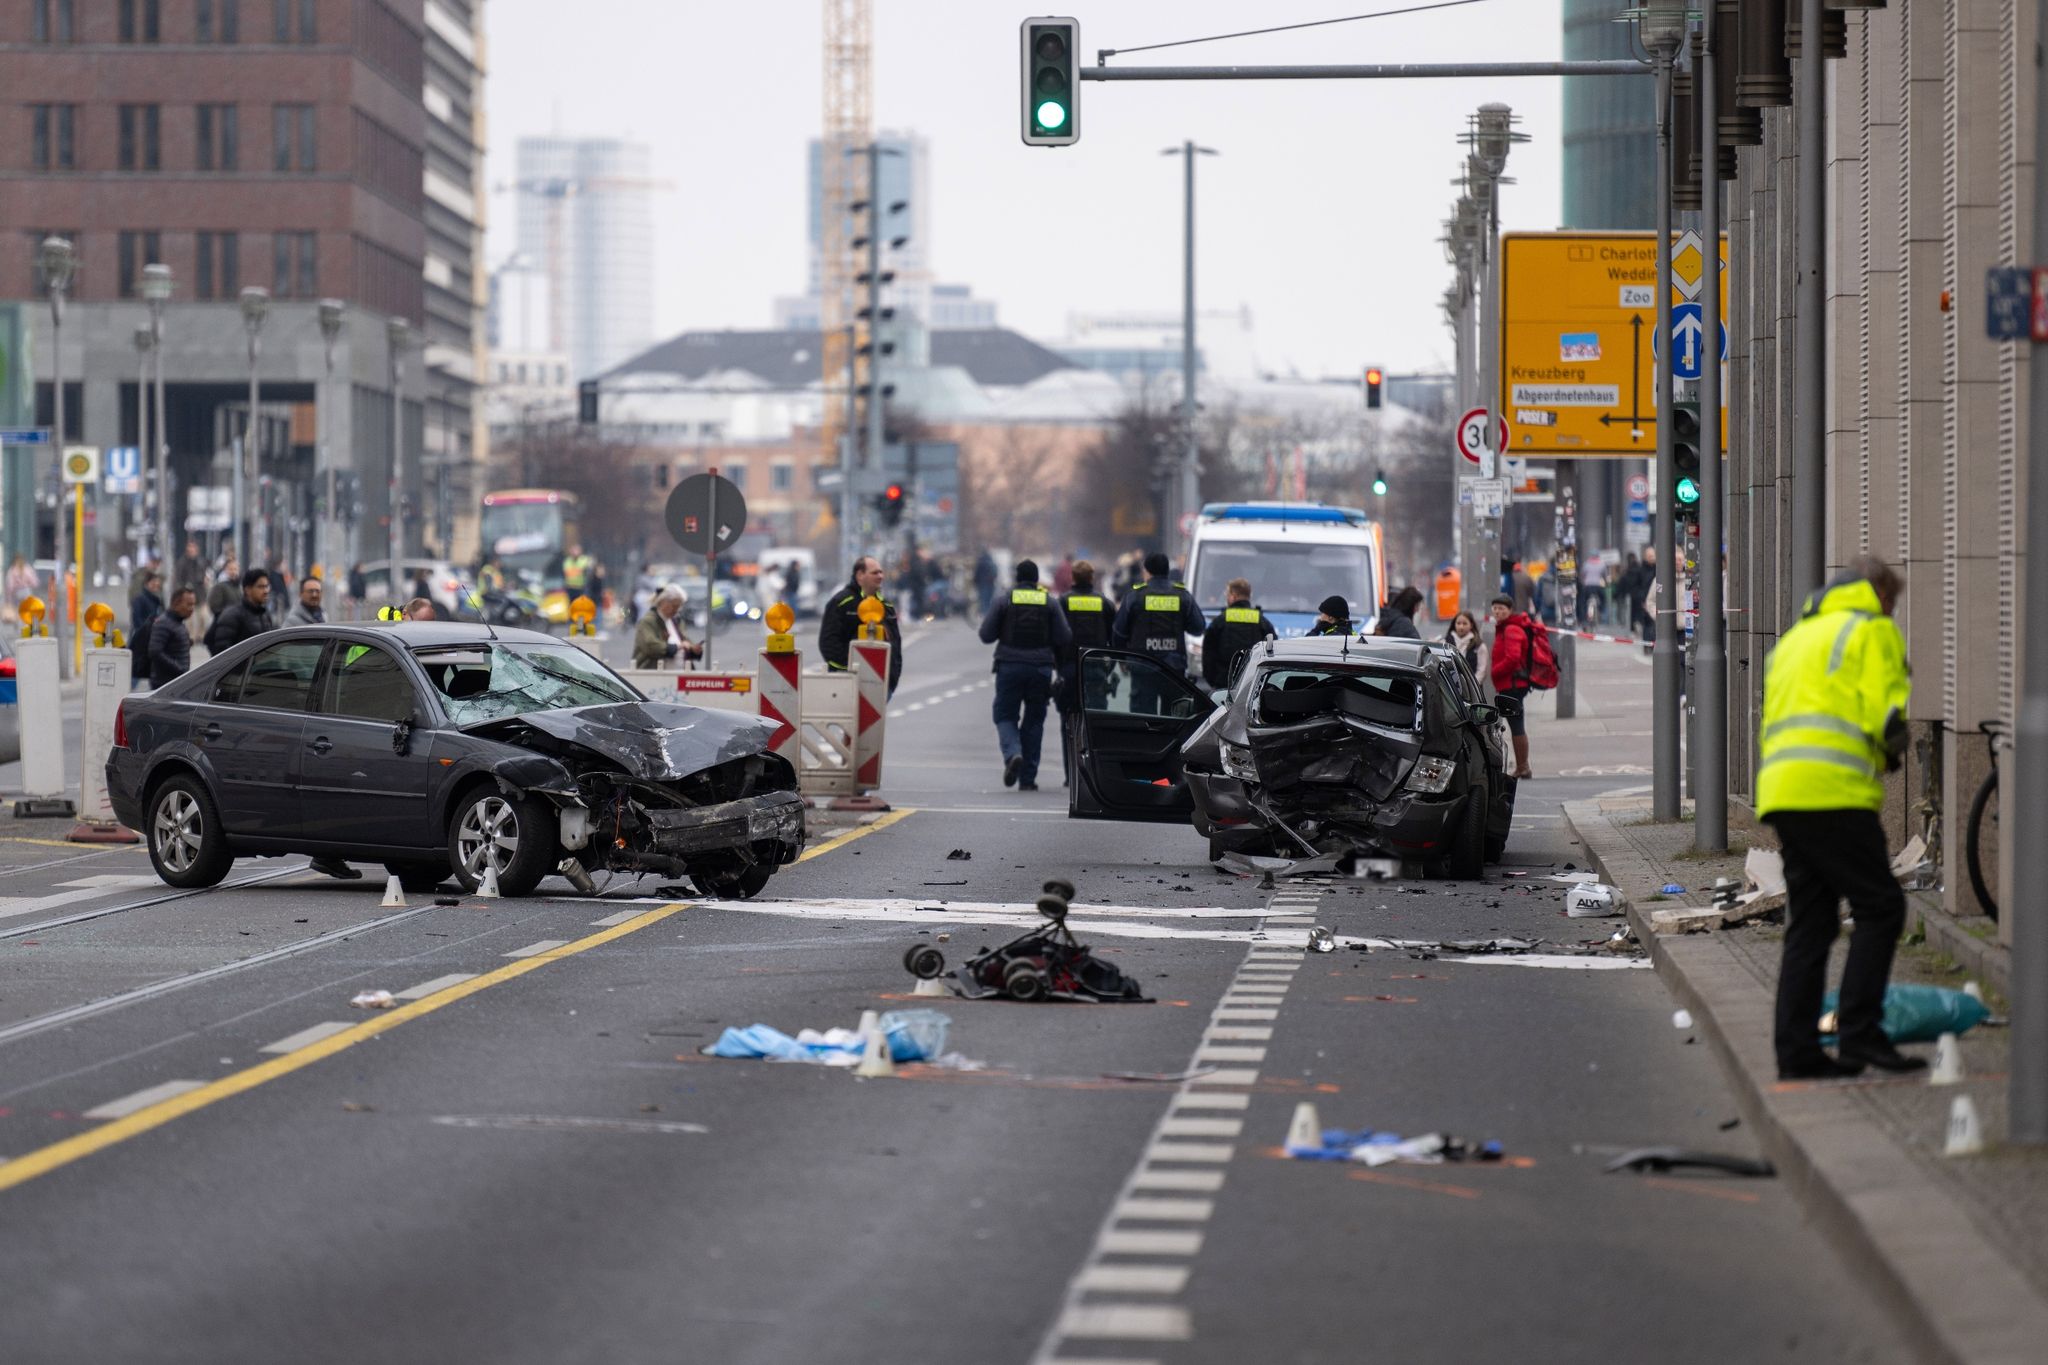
[1136, 713]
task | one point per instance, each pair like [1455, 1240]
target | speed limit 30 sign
[1471, 435]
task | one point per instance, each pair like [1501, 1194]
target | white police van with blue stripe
[1294, 554]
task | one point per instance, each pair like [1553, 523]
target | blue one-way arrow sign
[1688, 335]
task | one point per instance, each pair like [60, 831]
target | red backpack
[1540, 669]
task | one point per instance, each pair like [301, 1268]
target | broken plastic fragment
[374, 1000]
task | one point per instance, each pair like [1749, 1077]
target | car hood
[658, 741]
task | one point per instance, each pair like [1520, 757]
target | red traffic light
[1373, 376]
[894, 492]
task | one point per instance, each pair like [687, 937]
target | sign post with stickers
[1578, 345]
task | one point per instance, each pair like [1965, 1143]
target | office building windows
[294, 273]
[141, 21]
[50, 21]
[292, 21]
[137, 249]
[217, 21]
[781, 476]
[291, 133]
[220, 265]
[52, 144]
[219, 138]
[141, 147]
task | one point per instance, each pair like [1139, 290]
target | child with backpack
[1522, 661]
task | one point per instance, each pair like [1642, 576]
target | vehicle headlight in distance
[1237, 761]
[1431, 774]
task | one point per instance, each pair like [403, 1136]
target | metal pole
[1184, 488]
[1664, 653]
[142, 435]
[1384, 71]
[251, 437]
[1809, 373]
[61, 606]
[1710, 641]
[2029, 1084]
[162, 452]
[875, 432]
[394, 538]
[710, 568]
[848, 503]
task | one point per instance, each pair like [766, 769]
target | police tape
[1596, 638]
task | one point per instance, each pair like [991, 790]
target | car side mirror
[1481, 714]
[401, 738]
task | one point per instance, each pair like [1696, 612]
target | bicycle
[1982, 808]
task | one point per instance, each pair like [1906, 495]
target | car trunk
[1329, 732]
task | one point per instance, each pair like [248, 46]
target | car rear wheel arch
[164, 772]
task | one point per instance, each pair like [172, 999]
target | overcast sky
[1321, 215]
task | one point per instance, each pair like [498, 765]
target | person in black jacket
[168, 651]
[1397, 617]
[1238, 627]
[1088, 614]
[1333, 617]
[1029, 630]
[839, 625]
[244, 620]
[142, 614]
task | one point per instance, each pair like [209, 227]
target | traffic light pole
[873, 453]
[1808, 511]
[1710, 640]
[1186, 482]
[1664, 716]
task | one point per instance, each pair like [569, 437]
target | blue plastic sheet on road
[914, 1036]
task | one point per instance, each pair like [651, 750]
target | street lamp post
[398, 336]
[156, 291]
[58, 261]
[145, 342]
[1186, 484]
[1663, 25]
[255, 304]
[1710, 642]
[333, 316]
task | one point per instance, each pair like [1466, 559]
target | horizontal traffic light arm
[1385, 71]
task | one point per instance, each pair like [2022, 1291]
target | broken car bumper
[776, 818]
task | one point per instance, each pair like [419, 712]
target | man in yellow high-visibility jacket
[1834, 723]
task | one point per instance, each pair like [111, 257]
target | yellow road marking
[46, 843]
[44, 1160]
[842, 840]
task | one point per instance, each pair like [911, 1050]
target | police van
[1294, 554]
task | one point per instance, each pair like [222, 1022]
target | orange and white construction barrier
[870, 659]
[781, 691]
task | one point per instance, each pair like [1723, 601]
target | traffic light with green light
[1052, 94]
[1379, 483]
[1375, 378]
[1685, 460]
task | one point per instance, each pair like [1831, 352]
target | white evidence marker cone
[1973, 990]
[1948, 1061]
[488, 888]
[869, 1022]
[1965, 1130]
[874, 1058]
[1305, 1133]
[929, 985]
[394, 894]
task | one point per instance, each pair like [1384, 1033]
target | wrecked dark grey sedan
[443, 749]
[1335, 746]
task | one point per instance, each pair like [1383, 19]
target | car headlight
[1237, 761]
[1431, 774]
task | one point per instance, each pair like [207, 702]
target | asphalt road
[530, 1161]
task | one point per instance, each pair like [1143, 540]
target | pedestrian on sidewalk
[308, 611]
[168, 653]
[142, 613]
[839, 624]
[1834, 723]
[1397, 617]
[1027, 628]
[243, 619]
[1513, 657]
[1463, 636]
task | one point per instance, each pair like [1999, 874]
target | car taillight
[121, 726]
[6, 668]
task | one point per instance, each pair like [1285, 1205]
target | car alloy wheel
[178, 830]
[489, 829]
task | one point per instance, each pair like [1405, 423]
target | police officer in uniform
[1156, 618]
[1240, 626]
[1029, 631]
[576, 567]
[839, 624]
[1333, 617]
[1089, 614]
[1834, 723]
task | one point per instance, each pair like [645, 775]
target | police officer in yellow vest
[1029, 631]
[576, 567]
[1236, 629]
[1834, 723]
[1088, 617]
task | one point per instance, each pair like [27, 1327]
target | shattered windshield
[492, 680]
[1291, 695]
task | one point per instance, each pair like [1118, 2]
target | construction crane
[849, 123]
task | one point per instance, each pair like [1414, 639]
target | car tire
[1500, 819]
[1466, 861]
[741, 885]
[419, 876]
[187, 845]
[521, 831]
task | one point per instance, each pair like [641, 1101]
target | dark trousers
[1832, 856]
[1022, 694]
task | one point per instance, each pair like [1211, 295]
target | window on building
[220, 265]
[137, 249]
[295, 266]
[292, 142]
[219, 137]
[292, 21]
[50, 21]
[737, 472]
[781, 476]
[141, 21]
[141, 143]
[37, 284]
[217, 21]
[54, 147]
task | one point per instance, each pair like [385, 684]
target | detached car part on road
[438, 749]
[1346, 746]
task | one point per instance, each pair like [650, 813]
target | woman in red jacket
[1511, 654]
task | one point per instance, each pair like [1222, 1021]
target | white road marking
[108, 881]
[141, 1099]
[1165, 1210]
[620, 918]
[1199, 1181]
[1134, 1279]
[1242, 1012]
[546, 945]
[306, 1037]
[1126, 1322]
[442, 983]
[1240, 1035]
[1189, 1151]
[1147, 1243]
[1200, 1128]
[1187, 1100]
[1561, 961]
[1230, 1054]
[1226, 1076]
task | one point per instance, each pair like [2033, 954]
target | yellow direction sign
[1578, 367]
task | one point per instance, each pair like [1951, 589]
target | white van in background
[1294, 554]
[774, 571]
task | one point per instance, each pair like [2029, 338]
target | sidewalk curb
[1947, 1288]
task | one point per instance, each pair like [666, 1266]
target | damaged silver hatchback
[441, 749]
